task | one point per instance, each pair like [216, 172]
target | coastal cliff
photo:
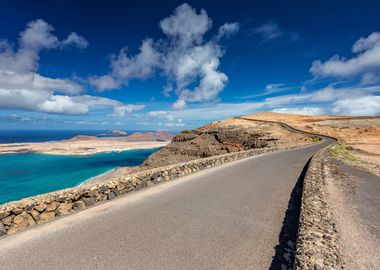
[222, 137]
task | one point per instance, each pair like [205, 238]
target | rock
[103, 189]
[4, 214]
[21, 222]
[41, 207]
[318, 266]
[79, 205]
[52, 206]
[8, 220]
[2, 229]
[17, 211]
[35, 214]
[46, 216]
[111, 195]
[89, 201]
[64, 209]
[62, 199]
[209, 140]
[29, 209]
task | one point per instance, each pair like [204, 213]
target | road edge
[317, 244]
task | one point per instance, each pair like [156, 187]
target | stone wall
[20, 215]
[317, 243]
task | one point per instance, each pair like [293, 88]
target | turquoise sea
[24, 175]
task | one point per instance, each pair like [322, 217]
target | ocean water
[24, 175]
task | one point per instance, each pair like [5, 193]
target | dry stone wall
[317, 243]
[20, 215]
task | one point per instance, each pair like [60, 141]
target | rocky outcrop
[317, 243]
[210, 140]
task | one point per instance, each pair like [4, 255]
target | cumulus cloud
[366, 105]
[189, 63]
[22, 87]
[365, 63]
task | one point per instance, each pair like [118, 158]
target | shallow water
[24, 175]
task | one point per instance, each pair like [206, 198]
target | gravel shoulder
[353, 195]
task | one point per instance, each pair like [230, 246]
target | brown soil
[361, 134]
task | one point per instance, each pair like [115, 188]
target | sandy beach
[81, 145]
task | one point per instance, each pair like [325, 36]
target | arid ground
[358, 137]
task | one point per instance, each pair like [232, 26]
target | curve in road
[228, 217]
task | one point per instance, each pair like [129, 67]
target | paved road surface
[227, 217]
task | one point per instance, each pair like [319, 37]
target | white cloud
[366, 105]
[366, 60]
[105, 82]
[75, 40]
[370, 78]
[302, 110]
[62, 105]
[189, 63]
[125, 68]
[38, 35]
[23, 88]
[364, 44]
[268, 31]
[172, 121]
[186, 25]
[161, 115]
[228, 29]
[122, 110]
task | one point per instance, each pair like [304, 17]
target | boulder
[79, 205]
[111, 195]
[4, 214]
[2, 229]
[52, 206]
[41, 207]
[89, 201]
[64, 209]
[35, 214]
[8, 220]
[46, 216]
[17, 211]
[21, 222]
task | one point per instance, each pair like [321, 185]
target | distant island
[117, 132]
[88, 145]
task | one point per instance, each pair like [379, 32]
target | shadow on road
[285, 249]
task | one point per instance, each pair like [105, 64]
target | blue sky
[177, 65]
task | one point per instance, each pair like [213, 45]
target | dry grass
[360, 135]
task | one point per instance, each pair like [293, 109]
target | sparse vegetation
[340, 152]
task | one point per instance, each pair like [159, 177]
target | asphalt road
[228, 217]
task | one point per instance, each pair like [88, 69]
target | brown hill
[222, 137]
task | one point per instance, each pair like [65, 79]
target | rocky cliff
[223, 137]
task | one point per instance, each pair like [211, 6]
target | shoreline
[97, 177]
[79, 148]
